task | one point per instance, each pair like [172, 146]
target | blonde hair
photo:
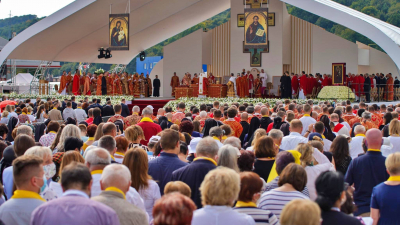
[39, 151]
[220, 187]
[394, 127]
[301, 212]
[392, 163]
[257, 134]
[174, 127]
[317, 144]
[296, 124]
[134, 132]
[177, 186]
[70, 130]
[4, 114]
[306, 154]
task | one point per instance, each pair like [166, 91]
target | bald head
[374, 138]
[116, 175]
[244, 116]
[257, 109]
[169, 116]
[264, 111]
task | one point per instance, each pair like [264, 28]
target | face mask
[49, 170]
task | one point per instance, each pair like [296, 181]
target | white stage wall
[158, 69]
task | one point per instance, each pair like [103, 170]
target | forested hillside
[386, 10]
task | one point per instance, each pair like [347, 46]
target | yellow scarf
[215, 138]
[245, 204]
[135, 113]
[265, 116]
[53, 132]
[146, 119]
[374, 150]
[323, 136]
[360, 135]
[54, 108]
[206, 158]
[96, 172]
[112, 157]
[306, 115]
[119, 153]
[91, 139]
[79, 107]
[116, 190]
[394, 178]
[23, 113]
[27, 194]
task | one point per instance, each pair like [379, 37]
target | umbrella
[3, 104]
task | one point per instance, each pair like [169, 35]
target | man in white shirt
[69, 112]
[80, 113]
[320, 128]
[233, 79]
[339, 128]
[306, 120]
[291, 141]
[356, 142]
[264, 78]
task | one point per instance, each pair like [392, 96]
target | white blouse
[150, 195]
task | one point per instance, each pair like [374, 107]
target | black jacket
[367, 85]
[125, 110]
[245, 126]
[334, 218]
[108, 111]
[265, 121]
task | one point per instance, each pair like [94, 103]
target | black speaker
[142, 56]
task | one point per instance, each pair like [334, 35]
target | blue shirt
[365, 172]
[386, 198]
[8, 181]
[161, 168]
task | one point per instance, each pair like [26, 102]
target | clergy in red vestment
[63, 83]
[76, 83]
[236, 127]
[82, 83]
[238, 85]
[205, 85]
[330, 80]
[211, 79]
[389, 85]
[325, 81]
[357, 85]
[245, 83]
[86, 85]
[303, 84]
[295, 84]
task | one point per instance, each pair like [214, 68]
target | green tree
[371, 10]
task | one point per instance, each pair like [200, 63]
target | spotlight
[142, 56]
[108, 54]
[101, 55]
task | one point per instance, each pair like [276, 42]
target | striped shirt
[274, 200]
[260, 216]
[274, 184]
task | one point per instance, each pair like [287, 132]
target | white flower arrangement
[99, 71]
[336, 92]
[114, 99]
[272, 101]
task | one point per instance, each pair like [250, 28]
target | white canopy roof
[75, 32]
[21, 78]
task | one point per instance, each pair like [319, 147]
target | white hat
[193, 144]
[155, 139]
[150, 107]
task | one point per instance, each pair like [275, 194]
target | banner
[119, 31]
[256, 28]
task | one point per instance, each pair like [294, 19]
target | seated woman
[291, 182]
[219, 190]
[265, 151]
[331, 191]
[250, 189]
[134, 134]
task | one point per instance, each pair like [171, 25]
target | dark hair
[339, 149]
[328, 132]
[232, 112]
[22, 143]
[184, 148]
[3, 129]
[70, 120]
[117, 108]
[319, 127]
[387, 117]
[69, 104]
[169, 139]
[75, 173]
[24, 168]
[186, 126]
[246, 160]
[283, 159]
[250, 184]
[53, 126]
[181, 105]
[329, 186]
[295, 175]
[188, 138]
[209, 123]
[39, 111]
[72, 143]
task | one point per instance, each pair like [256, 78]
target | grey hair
[366, 115]
[234, 141]
[115, 173]
[207, 147]
[108, 143]
[136, 108]
[203, 114]
[93, 159]
[147, 111]
[359, 129]
[39, 151]
[227, 156]
[24, 129]
[70, 130]
[275, 134]
[216, 132]
[79, 104]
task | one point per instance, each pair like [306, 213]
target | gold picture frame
[271, 19]
[119, 31]
[240, 20]
[338, 73]
[256, 28]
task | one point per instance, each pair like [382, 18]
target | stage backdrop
[119, 31]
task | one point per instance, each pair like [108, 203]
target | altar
[217, 90]
[184, 91]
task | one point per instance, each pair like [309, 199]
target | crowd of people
[290, 164]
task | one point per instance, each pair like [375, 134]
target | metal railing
[377, 92]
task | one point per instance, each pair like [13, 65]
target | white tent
[21, 78]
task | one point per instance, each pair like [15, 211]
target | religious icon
[271, 19]
[240, 20]
[119, 31]
[256, 28]
[338, 70]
